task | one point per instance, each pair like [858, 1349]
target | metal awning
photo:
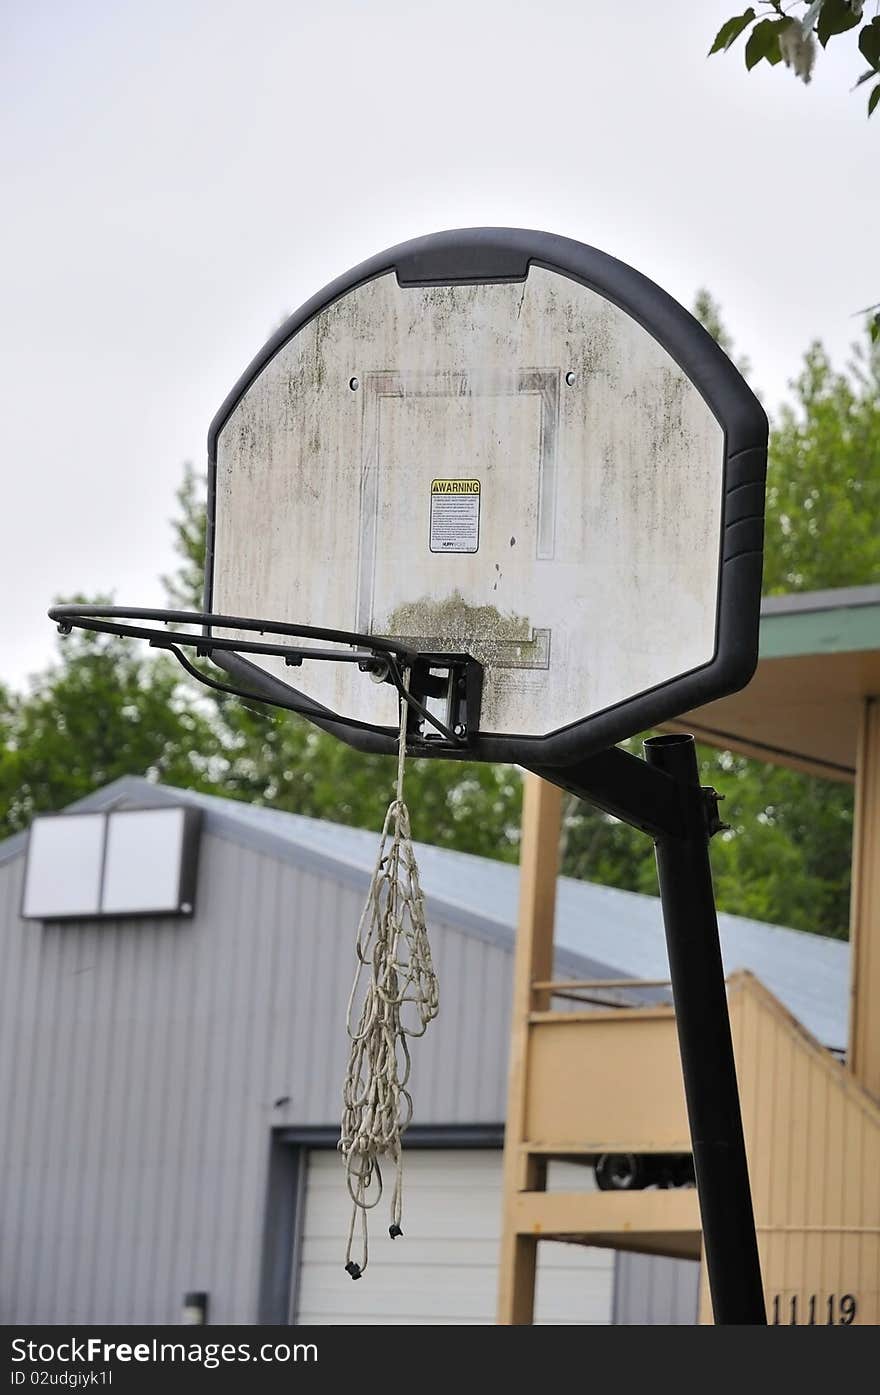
[819, 661]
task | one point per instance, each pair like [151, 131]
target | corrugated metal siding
[813, 1140]
[650, 1290]
[139, 1065]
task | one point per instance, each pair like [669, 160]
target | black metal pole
[729, 1243]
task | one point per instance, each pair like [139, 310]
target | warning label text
[455, 515]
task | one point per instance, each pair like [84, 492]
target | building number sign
[801, 1310]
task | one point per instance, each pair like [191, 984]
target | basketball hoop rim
[386, 660]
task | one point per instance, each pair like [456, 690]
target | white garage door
[445, 1268]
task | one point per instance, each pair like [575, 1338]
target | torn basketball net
[396, 988]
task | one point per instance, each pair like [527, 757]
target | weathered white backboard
[508, 445]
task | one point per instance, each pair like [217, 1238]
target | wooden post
[533, 960]
[864, 1020]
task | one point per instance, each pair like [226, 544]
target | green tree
[786, 855]
[107, 708]
[708, 312]
[185, 587]
[280, 759]
[823, 479]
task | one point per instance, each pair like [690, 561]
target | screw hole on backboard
[354, 384]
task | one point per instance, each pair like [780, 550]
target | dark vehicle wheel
[683, 1171]
[620, 1172]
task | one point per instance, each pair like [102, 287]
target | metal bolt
[354, 384]
[459, 729]
[570, 378]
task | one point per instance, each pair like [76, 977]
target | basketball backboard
[507, 445]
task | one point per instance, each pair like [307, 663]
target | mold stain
[453, 625]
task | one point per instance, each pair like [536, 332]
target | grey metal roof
[802, 602]
[618, 934]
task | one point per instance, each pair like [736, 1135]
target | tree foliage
[280, 759]
[106, 708]
[823, 480]
[185, 587]
[774, 33]
[708, 312]
[785, 857]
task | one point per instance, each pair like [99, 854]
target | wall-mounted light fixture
[121, 862]
[195, 1309]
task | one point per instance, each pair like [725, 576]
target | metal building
[169, 1083]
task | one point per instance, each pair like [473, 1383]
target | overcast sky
[177, 176]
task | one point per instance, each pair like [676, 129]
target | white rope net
[394, 997]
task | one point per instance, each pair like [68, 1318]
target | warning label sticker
[455, 515]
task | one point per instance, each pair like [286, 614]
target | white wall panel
[445, 1267]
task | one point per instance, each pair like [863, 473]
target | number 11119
[801, 1310]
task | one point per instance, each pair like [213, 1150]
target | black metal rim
[387, 659]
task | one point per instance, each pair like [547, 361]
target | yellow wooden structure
[592, 1080]
[814, 705]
